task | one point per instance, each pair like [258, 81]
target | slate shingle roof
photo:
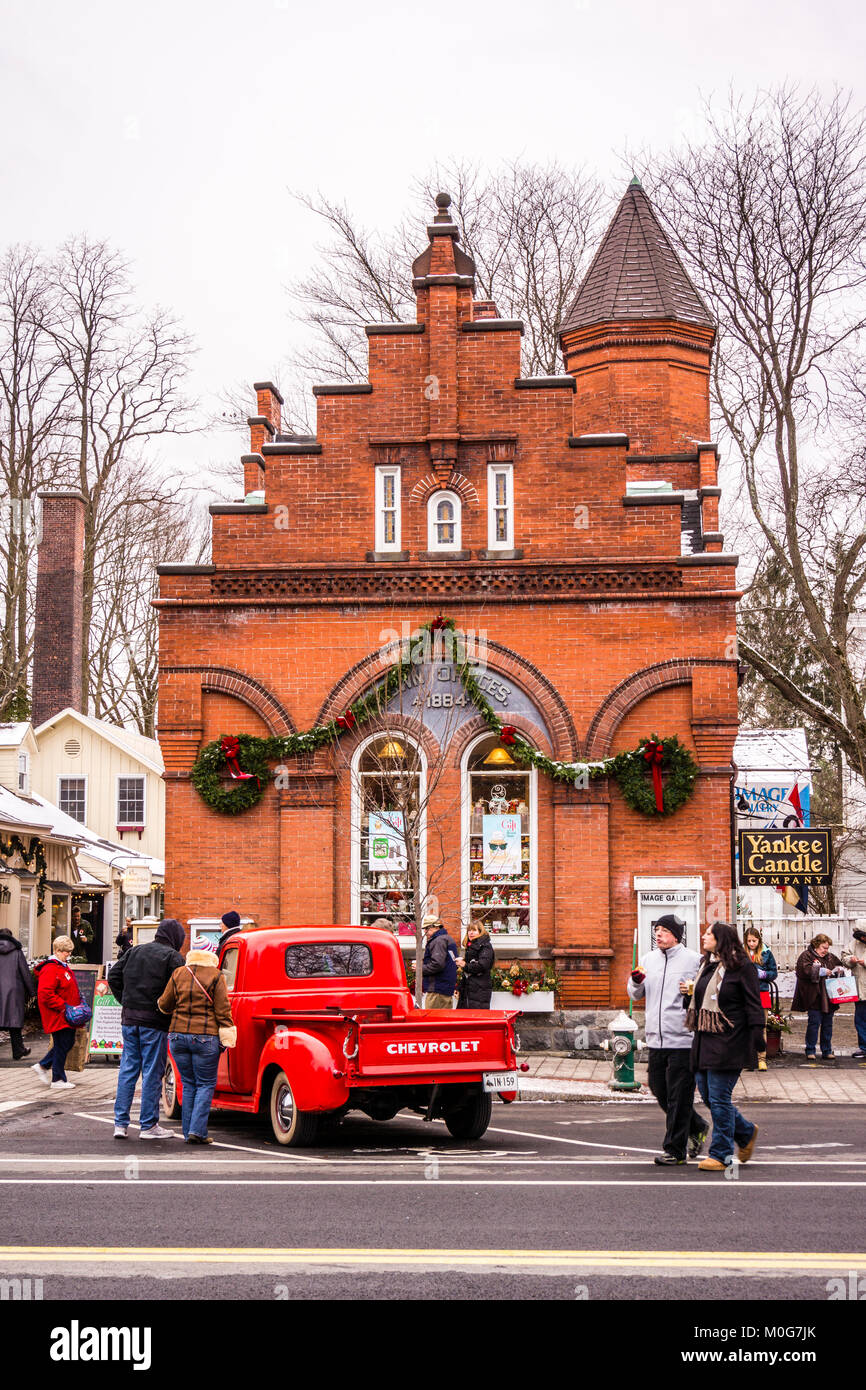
[636, 273]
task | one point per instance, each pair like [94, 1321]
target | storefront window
[59, 915]
[388, 832]
[25, 909]
[499, 878]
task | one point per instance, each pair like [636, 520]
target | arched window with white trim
[388, 830]
[500, 844]
[444, 522]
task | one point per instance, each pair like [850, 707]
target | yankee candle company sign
[777, 857]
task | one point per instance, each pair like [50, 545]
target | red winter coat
[57, 987]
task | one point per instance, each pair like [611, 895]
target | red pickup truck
[326, 1024]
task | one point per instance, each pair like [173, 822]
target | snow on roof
[146, 750]
[24, 811]
[13, 734]
[772, 750]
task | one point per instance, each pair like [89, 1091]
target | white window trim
[128, 776]
[432, 541]
[74, 777]
[492, 470]
[24, 756]
[504, 939]
[355, 826]
[390, 471]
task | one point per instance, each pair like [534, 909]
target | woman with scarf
[765, 963]
[726, 1017]
[816, 965]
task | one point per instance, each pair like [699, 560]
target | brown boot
[744, 1152]
[712, 1165]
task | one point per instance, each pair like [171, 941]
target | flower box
[539, 1002]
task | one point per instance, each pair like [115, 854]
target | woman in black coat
[16, 987]
[727, 1019]
[476, 985]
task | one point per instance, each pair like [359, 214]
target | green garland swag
[248, 757]
[34, 858]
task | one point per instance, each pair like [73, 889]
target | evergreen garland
[630, 770]
[36, 862]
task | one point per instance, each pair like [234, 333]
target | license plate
[499, 1080]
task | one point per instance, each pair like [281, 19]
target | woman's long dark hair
[729, 948]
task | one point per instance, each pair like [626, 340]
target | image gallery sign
[779, 857]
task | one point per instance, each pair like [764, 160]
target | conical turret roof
[636, 273]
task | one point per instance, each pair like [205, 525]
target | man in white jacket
[670, 1075]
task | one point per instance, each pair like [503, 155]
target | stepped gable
[636, 273]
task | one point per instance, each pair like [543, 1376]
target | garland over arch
[246, 758]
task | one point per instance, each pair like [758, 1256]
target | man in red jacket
[56, 987]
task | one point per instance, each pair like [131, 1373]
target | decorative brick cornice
[513, 582]
[223, 680]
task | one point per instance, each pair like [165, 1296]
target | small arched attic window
[444, 521]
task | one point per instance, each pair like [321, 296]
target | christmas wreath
[34, 859]
[229, 773]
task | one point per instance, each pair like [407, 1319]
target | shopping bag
[842, 989]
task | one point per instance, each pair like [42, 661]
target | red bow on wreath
[508, 733]
[654, 753]
[438, 623]
[519, 987]
[347, 720]
[231, 748]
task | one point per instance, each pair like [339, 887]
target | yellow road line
[801, 1261]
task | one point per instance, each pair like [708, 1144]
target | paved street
[557, 1201]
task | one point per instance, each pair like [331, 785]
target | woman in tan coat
[197, 999]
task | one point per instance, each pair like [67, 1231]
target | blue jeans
[144, 1053]
[61, 1044]
[824, 1022]
[729, 1126]
[860, 1023]
[197, 1057]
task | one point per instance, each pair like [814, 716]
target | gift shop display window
[500, 869]
[388, 794]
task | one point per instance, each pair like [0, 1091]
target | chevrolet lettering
[326, 1024]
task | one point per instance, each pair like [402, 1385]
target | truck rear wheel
[292, 1127]
[470, 1120]
[170, 1102]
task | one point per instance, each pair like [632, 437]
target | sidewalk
[562, 1077]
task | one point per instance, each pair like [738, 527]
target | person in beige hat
[439, 968]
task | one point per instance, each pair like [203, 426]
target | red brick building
[573, 520]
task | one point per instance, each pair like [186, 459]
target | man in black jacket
[137, 980]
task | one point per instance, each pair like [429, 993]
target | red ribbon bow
[231, 748]
[347, 720]
[508, 733]
[654, 753]
[438, 623]
[519, 987]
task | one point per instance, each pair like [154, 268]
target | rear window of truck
[328, 958]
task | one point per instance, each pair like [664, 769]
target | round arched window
[388, 818]
[500, 876]
[444, 521]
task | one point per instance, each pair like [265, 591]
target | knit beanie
[674, 924]
[231, 919]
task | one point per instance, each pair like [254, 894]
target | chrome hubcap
[285, 1107]
[168, 1087]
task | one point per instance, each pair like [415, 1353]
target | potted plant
[530, 988]
[776, 1025]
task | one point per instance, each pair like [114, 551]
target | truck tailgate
[435, 1044]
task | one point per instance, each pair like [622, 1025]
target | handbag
[77, 1015]
[228, 1033]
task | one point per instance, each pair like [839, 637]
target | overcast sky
[175, 130]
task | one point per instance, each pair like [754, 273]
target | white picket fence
[788, 937]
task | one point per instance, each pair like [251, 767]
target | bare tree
[32, 400]
[770, 212]
[126, 372]
[527, 226]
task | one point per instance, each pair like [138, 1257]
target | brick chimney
[57, 654]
